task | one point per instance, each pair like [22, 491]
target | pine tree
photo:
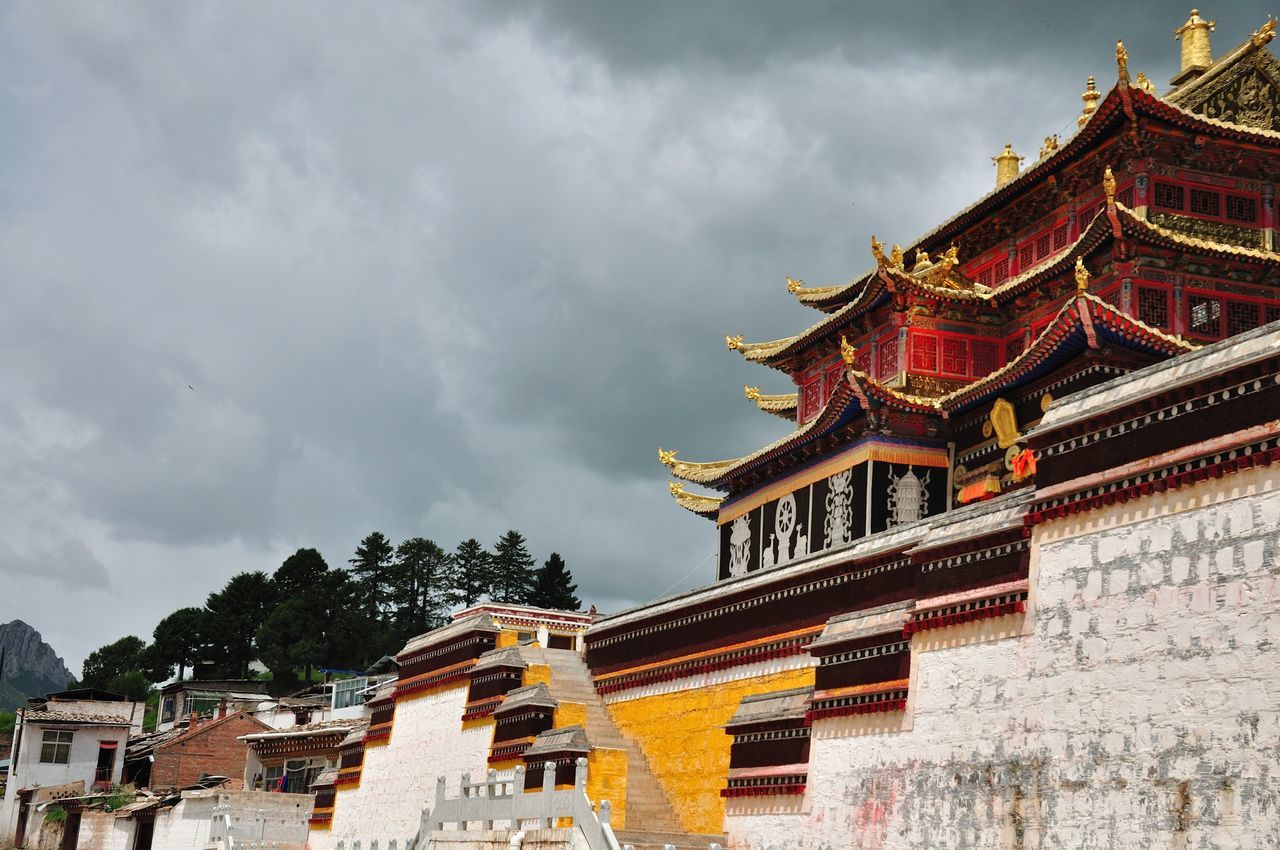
[473, 573]
[553, 586]
[233, 614]
[421, 586]
[512, 569]
[371, 568]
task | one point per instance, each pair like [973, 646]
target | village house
[180, 757]
[180, 699]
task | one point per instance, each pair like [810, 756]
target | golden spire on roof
[1082, 276]
[1196, 53]
[1109, 185]
[847, 351]
[752, 393]
[1122, 62]
[734, 342]
[1090, 97]
[1264, 33]
[1050, 145]
[1007, 164]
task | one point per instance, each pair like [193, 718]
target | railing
[257, 831]
[506, 800]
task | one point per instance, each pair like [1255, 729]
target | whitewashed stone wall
[1140, 708]
[399, 777]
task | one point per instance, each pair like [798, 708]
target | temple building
[1010, 580]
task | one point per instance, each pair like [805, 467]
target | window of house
[984, 357]
[1241, 316]
[924, 353]
[1169, 196]
[1240, 208]
[955, 356]
[1153, 307]
[1273, 312]
[1001, 270]
[987, 276]
[1060, 237]
[166, 710]
[1042, 246]
[346, 692]
[55, 747]
[1204, 315]
[1026, 256]
[1125, 197]
[810, 399]
[888, 357]
[1206, 203]
[1013, 347]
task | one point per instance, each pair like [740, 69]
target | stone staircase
[651, 821]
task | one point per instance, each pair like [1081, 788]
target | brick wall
[212, 748]
[1136, 706]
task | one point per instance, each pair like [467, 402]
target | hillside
[32, 668]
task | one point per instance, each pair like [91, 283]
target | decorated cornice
[783, 405]
[703, 506]
[757, 352]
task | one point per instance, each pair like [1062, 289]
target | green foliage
[180, 639]
[119, 797]
[233, 614]
[512, 569]
[55, 814]
[133, 684]
[106, 664]
[372, 568]
[553, 586]
[7, 721]
[421, 586]
[473, 572]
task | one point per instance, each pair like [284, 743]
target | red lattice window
[862, 360]
[810, 399]
[1153, 307]
[1206, 203]
[888, 357]
[1013, 347]
[955, 356]
[1241, 208]
[1273, 313]
[1241, 316]
[1042, 247]
[984, 358]
[1026, 256]
[1169, 196]
[1204, 316]
[987, 276]
[1088, 214]
[924, 353]
[1060, 237]
[1001, 270]
[1125, 197]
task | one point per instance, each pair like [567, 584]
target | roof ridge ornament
[1050, 146]
[877, 251]
[794, 286]
[752, 393]
[1197, 55]
[1264, 33]
[734, 342]
[1122, 62]
[1007, 164]
[848, 352]
[1082, 277]
[667, 458]
[1090, 97]
[1109, 186]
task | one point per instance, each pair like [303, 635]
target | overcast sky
[277, 275]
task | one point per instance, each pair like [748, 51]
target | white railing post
[548, 788]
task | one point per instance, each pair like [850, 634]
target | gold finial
[877, 251]
[922, 261]
[734, 342]
[1143, 82]
[752, 393]
[950, 259]
[847, 351]
[1007, 164]
[1082, 276]
[896, 260]
[1122, 61]
[1090, 97]
[666, 458]
[1109, 185]
[794, 286]
[1264, 33]
[1050, 145]
[1196, 52]
[676, 488]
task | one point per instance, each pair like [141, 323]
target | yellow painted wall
[570, 714]
[683, 738]
[607, 780]
[535, 673]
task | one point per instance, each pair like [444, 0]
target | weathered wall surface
[427, 740]
[1140, 710]
[682, 736]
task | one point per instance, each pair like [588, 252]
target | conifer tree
[421, 586]
[512, 569]
[553, 586]
[371, 568]
[472, 573]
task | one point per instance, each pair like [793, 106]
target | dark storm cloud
[275, 276]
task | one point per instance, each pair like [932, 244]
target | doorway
[105, 770]
[146, 830]
[24, 809]
[71, 830]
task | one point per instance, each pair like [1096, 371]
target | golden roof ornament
[922, 263]
[877, 251]
[1082, 276]
[1197, 55]
[1264, 33]
[949, 260]
[734, 342]
[1142, 81]
[1090, 97]
[896, 260]
[794, 286]
[1050, 146]
[752, 393]
[1007, 164]
[848, 352]
[1109, 186]
[1122, 62]
[666, 458]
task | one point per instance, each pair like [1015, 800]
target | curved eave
[872, 295]
[784, 406]
[828, 299]
[1066, 337]
[1156, 234]
[703, 506]
[761, 352]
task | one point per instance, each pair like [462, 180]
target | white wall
[399, 777]
[1141, 709]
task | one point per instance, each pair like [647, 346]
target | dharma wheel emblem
[908, 499]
